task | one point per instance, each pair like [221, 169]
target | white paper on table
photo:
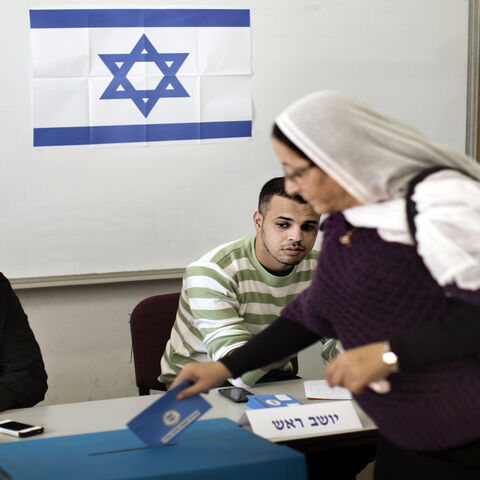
[321, 390]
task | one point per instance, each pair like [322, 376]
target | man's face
[286, 232]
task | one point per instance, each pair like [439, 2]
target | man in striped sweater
[237, 289]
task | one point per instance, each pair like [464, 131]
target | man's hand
[203, 375]
[356, 368]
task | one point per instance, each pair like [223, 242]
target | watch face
[389, 358]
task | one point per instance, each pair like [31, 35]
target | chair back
[151, 322]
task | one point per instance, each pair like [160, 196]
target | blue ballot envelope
[271, 401]
[167, 417]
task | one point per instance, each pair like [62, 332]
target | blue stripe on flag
[44, 137]
[97, 18]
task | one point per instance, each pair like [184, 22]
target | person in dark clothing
[23, 380]
[407, 312]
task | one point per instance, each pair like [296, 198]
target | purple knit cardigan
[372, 290]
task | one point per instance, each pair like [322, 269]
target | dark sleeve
[454, 336]
[23, 380]
[281, 339]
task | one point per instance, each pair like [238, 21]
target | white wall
[84, 335]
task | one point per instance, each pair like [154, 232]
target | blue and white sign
[310, 420]
[271, 401]
[107, 76]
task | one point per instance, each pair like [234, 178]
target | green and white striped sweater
[227, 297]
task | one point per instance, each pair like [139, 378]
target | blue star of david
[121, 63]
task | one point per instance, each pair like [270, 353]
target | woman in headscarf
[403, 312]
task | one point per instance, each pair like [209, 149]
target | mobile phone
[236, 394]
[18, 429]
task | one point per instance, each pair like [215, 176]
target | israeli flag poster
[140, 76]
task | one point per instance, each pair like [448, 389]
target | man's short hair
[275, 186]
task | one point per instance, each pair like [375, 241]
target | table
[113, 414]
[326, 454]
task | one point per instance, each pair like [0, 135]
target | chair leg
[143, 391]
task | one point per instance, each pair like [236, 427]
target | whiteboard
[81, 210]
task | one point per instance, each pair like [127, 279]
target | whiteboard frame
[96, 278]
[472, 88]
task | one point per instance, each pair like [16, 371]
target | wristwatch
[389, 358]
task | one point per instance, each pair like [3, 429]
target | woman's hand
[203, 375]
[356, 368]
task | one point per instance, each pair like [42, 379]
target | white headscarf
[373, 158]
